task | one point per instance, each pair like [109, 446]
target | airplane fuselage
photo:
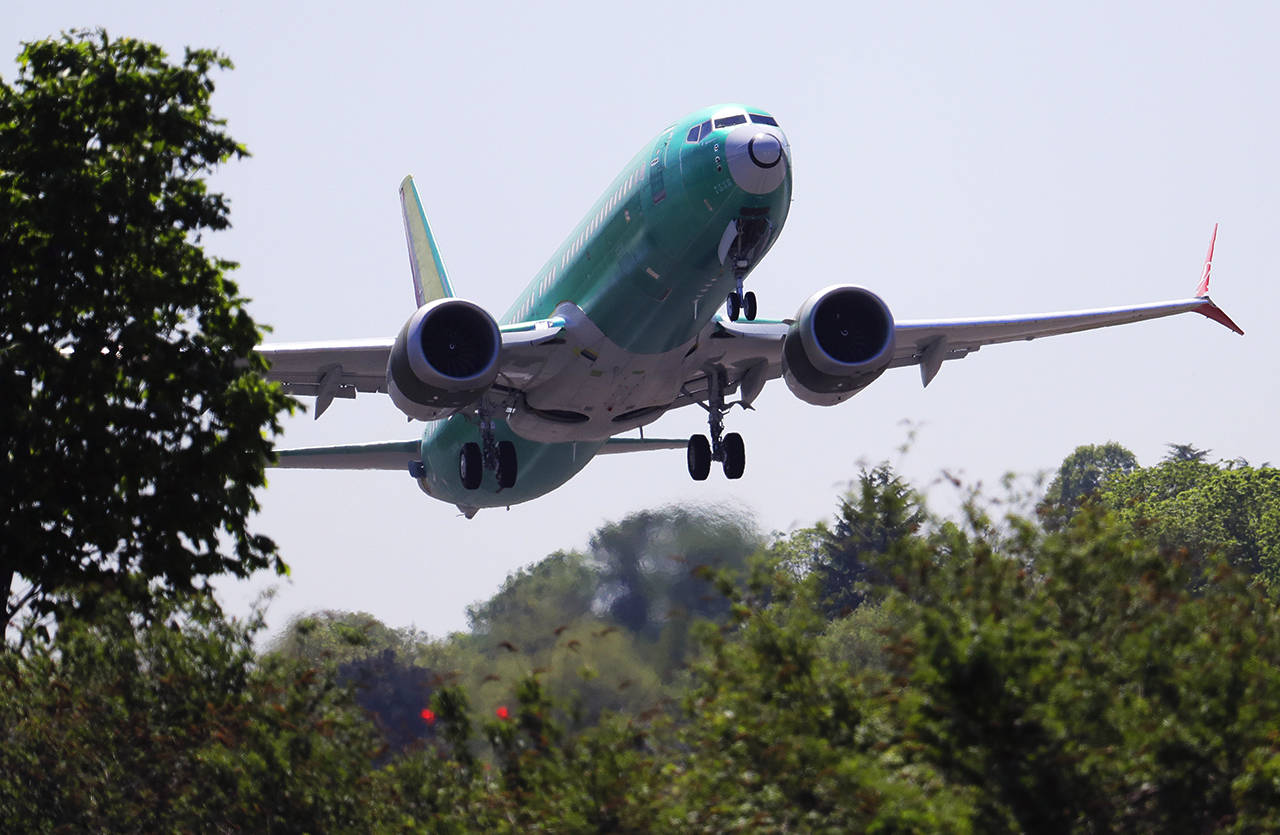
[642, 275]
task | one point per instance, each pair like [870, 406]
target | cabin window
[729, 121]
[694, 133]
[761, 119]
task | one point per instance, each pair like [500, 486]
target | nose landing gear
[728, 449]
[490, 454]
[740, 303]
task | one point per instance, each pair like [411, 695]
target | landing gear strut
[728, 449]
[740, 303]
[490, 454]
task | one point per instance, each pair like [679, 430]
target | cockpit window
[706, 128]
[694, 133]
[761, 119]
[729, 121]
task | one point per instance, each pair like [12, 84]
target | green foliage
[329, 638]
[650, 565]
[537, 599]
[877, 511]
[1205, 510]
[1081, 475]
[174, 726]
[1004, 680]
[135, 418]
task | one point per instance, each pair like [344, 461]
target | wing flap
[326, 370]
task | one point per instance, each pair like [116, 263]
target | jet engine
[842, 340]
[444, 359]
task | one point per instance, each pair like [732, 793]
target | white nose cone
[756, 159]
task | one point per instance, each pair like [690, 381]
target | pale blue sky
[959, 159]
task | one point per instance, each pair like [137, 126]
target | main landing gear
[728, 449]
[489, 454]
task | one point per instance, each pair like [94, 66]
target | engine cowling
[842, 340]
[444, 359]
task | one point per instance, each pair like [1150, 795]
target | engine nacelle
[444, 359]
[842, 340]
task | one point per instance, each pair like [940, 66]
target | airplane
[623, 323]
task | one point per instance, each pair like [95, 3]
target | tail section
[430, 280]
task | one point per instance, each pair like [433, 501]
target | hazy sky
[959, 159]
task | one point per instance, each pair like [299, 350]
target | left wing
[929, 343]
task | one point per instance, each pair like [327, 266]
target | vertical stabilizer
[430, 280]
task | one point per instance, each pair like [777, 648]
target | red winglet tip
[1203, 289]
[1218, 315]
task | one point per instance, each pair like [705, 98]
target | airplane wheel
[733, 306]
[506, 464]
[470, 466]
[735, 455]
[699, 457]
[749, 306]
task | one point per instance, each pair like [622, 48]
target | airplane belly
[543, 466]
[590, 389]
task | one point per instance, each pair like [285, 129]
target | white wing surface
[384, 455]
[341, 368]
[930, 342]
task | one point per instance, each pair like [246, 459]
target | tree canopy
[135, 420]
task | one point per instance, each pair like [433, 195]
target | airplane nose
[764, 149]
[757, 159]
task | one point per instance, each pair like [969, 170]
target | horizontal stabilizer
[386, 455]
[641, 444]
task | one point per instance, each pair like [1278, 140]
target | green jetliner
[640, 310]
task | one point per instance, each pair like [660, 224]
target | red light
[429, 715]
[502, 712]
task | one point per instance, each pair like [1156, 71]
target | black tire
[749, 306]
[507, 465]
[733, 306]
[470, 466]
[699, 455]
[735, 455]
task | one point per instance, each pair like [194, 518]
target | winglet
[1210, 309]
[430, 280]
[1203, 289]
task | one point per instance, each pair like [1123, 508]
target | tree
[176, 726]
[1187, 452]
[135, 420]
[878, 511]
[1081, 475]
[1185, 504]
[649, 563]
